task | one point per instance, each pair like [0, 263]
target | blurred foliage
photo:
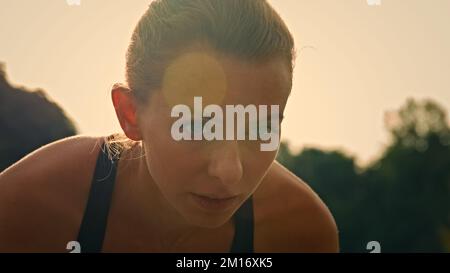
[28, 120]
[401, 200]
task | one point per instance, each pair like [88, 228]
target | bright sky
[357, 62]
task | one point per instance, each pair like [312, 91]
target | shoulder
[53, 164]
[44, 194]
[291, 217]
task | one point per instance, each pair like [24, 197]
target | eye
[190, 125]
[192, 122]
[269, 126]
[205, 120]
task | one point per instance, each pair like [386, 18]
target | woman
[146, 191]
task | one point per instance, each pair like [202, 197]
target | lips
[215, 203]
[215, 197]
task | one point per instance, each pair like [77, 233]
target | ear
[126, 110]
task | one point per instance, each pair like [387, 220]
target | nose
[225, 163]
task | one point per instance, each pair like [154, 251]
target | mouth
[214, 203]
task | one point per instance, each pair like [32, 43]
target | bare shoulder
[42, 196]
[291, 217]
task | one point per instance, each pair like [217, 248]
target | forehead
[257, 83]
[225, 80]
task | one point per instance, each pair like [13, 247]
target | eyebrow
[268, 116]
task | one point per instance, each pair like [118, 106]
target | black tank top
[95, 218]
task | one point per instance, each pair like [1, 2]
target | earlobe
[125, 107]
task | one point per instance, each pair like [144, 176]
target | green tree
[413, 176]
[401, 200]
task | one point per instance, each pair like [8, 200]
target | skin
[42, 197]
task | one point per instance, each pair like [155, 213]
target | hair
[247, 29]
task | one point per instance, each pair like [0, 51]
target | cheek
[171, 163]
[256, 166]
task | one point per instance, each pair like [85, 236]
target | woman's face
[185, 170]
